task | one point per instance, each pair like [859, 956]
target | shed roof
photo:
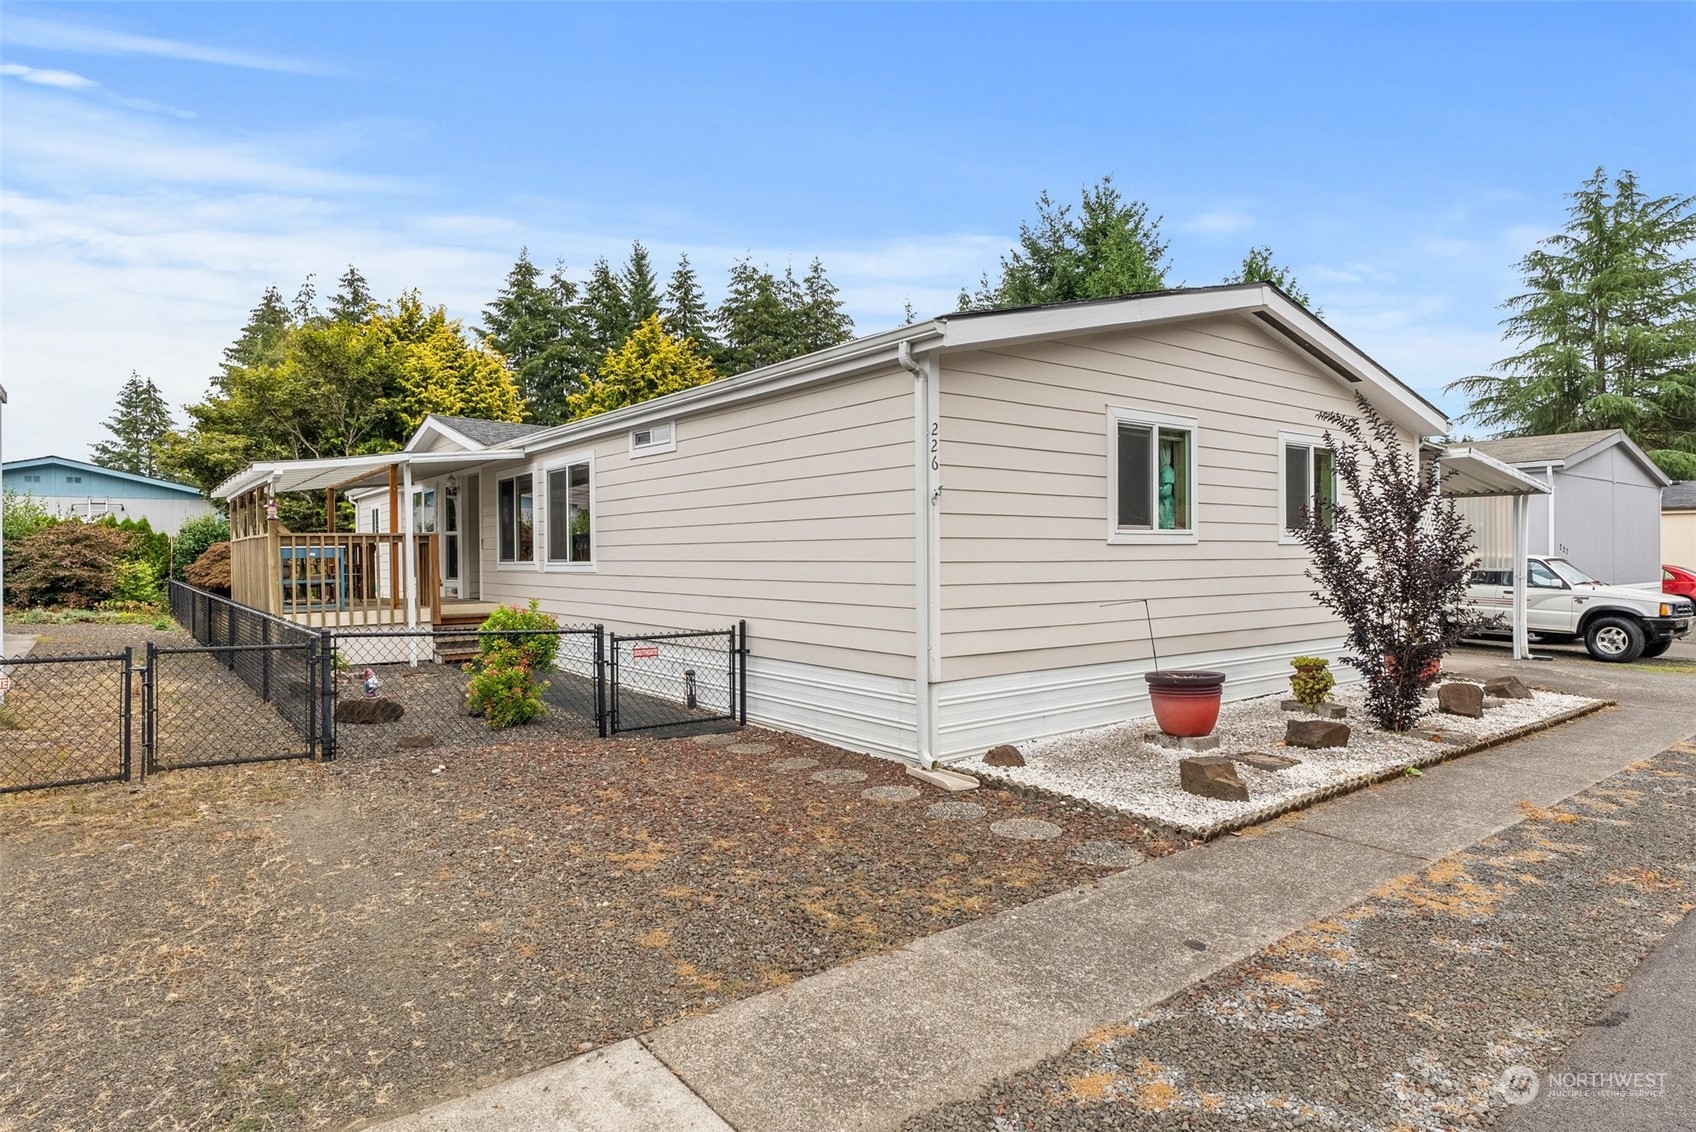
[1681, 496]
[1567, 448]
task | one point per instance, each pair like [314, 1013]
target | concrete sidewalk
[866, 1045]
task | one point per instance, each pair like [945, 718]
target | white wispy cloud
[1226, 221]
[64, 80]
[88, 39]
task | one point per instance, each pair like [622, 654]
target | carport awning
[355, 471]
[1469, 473]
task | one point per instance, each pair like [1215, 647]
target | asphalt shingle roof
[1532, 449]
[489, 432]
[1681, 496]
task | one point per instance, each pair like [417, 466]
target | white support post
[2, 572]
[409, 560]
[1521, 572]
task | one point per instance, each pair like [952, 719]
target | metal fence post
[126, 711]
[326, 674]
[742, 672]
[600, 681]
[149, 676]
[265, 660]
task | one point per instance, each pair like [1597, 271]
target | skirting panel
[854, 710]
[974, 715]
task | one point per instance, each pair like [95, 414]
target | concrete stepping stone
[719, 739]
[749, 748]
[794, 764]
[838, 777]
[955, 811]
[1107, 854]
[891, 793]
[1026, 829]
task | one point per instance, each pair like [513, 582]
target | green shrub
[513, 648]
[196, 535]
[1313, 680]
[25, 515]
[137, 585]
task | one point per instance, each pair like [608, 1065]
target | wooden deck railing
[323, 579]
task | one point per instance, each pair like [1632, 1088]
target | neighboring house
[1678, 524]
[939, 536]
[1602, 512]
[88, 491]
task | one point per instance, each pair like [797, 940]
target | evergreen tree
[306, 300]
[1111, 247]
[266, 326]
[531, 322]
[649, 363]
[1258, 268]
[604, 312]
[641, 288]
[353, 302]
[822, 321]
[756, 325]
[1606, 327]
[685, 308]
[141, 420]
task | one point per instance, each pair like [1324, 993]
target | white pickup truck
[1562, 604]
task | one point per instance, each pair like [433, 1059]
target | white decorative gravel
[1113, 767]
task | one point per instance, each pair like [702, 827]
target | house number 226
[935, 464]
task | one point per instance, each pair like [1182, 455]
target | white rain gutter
[927, 548]
[409, 559]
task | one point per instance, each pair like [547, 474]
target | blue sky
[160, 164]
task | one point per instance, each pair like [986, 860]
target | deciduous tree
[649, 364]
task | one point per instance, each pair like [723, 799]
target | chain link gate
[667, 682]
[65, 720]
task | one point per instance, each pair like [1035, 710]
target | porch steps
[461, 615]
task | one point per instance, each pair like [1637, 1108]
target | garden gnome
[371, 684]
[1168, 491]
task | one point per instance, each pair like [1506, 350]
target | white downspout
[409, 560]
[927, 491]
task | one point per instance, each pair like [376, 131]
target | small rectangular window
[1153, 483]
[653, 438]
[73, 479]
[515, 511]
[569, 519]
[1309, 482]
[376, 517]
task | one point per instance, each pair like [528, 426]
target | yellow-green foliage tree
[650, 363]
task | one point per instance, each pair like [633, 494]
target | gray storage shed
[1603, 510]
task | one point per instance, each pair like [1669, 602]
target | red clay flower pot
[1186, 703]
[1393, 667]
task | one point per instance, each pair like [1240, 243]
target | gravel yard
[1402, 1012]
[295, 945]
[1115, 768]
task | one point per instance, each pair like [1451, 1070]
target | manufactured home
[91, 492]
[950, 535]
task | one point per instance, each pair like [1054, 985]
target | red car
[1678, 580]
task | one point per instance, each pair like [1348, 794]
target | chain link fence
[64, 720]
[669, 683]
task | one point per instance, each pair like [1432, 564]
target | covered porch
[400, 576]
[1471, 474]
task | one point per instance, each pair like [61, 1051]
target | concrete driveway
[1668, 680]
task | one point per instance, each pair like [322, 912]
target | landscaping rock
[838, 777]
[1026, 829]
[1314, 734]
[716, 739]
[1187, 743]
[890, 793]
[1212, 776]
[1004, 755]
[1260, 760]
[1460, 698]
[955, 811]
[1507, 688]
[1323, 711]
[380, 710]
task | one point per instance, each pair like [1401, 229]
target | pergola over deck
[1469, 474]
[329, 578]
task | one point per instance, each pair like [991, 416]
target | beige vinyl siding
[795, 513]
[1028, 576]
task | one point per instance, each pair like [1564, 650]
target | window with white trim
[1307, 479]
[515, 518]
[1151, 477]
[570, 521]
[652, 438]
[376, 519]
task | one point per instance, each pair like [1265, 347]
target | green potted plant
[1312, 681]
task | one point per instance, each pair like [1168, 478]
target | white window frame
[1287, 440]
[547, 469]
[653, 447]
[1120, 414]
[520, 565]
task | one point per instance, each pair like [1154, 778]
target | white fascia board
[1478, 474]
[432, 424]
[1631, 449]
[1013, 327]
[847, 360]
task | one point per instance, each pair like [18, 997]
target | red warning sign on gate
[645, 652]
